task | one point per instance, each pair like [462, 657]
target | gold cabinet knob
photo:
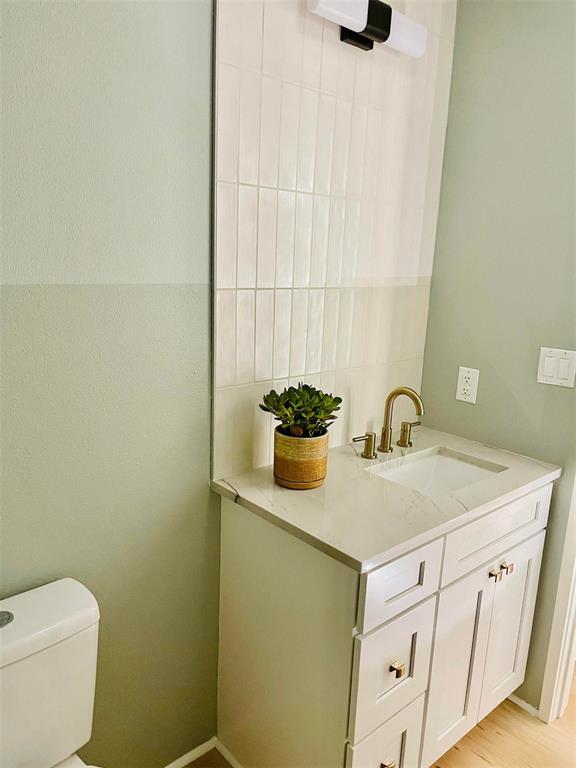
[399, 668]
[496, 574]
[388, 765]
[507, 568]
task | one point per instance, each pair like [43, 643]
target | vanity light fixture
[365, 22]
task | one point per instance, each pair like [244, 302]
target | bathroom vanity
[372, 622]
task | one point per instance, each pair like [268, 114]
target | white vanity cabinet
[322, 666]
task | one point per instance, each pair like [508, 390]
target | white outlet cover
[467, 386]
[557, 366]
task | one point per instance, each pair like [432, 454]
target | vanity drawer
[396, 744]
[487, 537]
[396, 586]
[390, 669]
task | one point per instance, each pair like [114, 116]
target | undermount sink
[436, 471]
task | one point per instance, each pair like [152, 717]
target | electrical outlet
[467, 387]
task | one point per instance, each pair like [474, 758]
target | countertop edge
[224, 489]
[228, 492]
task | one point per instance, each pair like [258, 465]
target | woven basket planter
[300, 462]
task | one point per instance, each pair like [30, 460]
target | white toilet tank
[47, 673]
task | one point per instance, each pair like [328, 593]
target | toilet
[48, 647]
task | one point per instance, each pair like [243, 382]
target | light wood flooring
[511, 738]
[508, 738]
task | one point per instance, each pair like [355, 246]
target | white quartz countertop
[364, 520]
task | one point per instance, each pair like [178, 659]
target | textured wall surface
[504, 279]
[328, 165]
[105, 351]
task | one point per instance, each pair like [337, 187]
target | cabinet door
[512, 614]
[461, 641]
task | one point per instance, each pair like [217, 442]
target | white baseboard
[226, 754]
[194, 754]
[524, 705]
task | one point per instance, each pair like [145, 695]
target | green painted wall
[105, 350]
[504, 279]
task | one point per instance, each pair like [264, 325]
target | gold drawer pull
[507, 568]
[398, 668]
[388, 765]
[496, 575]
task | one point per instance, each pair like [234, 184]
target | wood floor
[511, 738]
[508, 738]
[212, 759]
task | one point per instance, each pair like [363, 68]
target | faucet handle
[406, 433]
[369, 440]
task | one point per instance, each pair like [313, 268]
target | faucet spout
[386, 439]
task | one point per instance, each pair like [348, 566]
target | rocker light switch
[557, 366]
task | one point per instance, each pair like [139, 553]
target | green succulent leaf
[302, 411]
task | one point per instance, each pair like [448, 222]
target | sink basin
[436, 471]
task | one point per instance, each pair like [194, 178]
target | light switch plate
[467, 386]
[557, 366]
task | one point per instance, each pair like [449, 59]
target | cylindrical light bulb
[407, 36]
[351, 14]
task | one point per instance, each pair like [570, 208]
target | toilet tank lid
[45, 616]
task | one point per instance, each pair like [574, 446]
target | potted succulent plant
[301, 439]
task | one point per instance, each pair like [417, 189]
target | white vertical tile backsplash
[315, 331]
[228, 99]
[347, 58]
[249, 130]
[225, 338]
[312, 51]
[351, 241]
[320, 240]
[345, 320]
[264, 339]
[226, 235]
[335, 241]
[229, 41]
[247, 236]
[289, 123]
[330, 332]
[303, 240]
[267, 217]
[356, 152]
[273, 39]
[307, 139]
[282, 333]
[292, 20]
[326, 126]
[342, 124]
[328, 167]
[245, 318]
[329, 66]
[270, 131]
[299, 335]
[249, 30]
[285, 239]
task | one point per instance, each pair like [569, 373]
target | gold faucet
[404, 442]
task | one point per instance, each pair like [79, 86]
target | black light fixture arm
[377, 29]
